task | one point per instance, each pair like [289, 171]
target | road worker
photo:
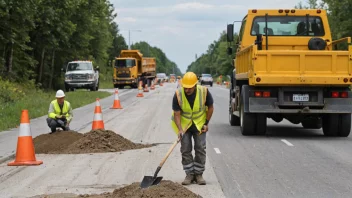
[192, 110]
[60, 113]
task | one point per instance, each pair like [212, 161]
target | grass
[37, 104]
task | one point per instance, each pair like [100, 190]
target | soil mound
[99, 141]
[55, 143]
[166, 189]
[95, 141]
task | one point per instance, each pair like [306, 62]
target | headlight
[68, 77]
[90, 76]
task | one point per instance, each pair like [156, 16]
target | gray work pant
[53, 124]
[194, 165]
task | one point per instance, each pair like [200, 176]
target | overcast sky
[184, 28]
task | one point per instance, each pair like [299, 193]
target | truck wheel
[234, 120]
[97, 86]
[94, 88]
[247, 120]
[116, 86]
[330, 124]
[211, 84]
[344, 125]
[261, 124]
[312, 123]
[67, 88]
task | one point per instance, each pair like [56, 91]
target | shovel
[154, 180]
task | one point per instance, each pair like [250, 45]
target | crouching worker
[60, 113]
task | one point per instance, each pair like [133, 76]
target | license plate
[301, 97]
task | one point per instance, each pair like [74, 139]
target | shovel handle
[168, 153]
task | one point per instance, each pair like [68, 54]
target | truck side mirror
[229, 51]
[97, 68]
[229, 32]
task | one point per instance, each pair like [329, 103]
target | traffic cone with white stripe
[117, 104]
[146, 88]
[153, 86]
[98, 122]
[25, 154]
[140, 90]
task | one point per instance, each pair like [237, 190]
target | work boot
[188, 180]
[200, 180]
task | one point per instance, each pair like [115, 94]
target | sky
[184, 28]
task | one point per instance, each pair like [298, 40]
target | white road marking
[217, 150]
[286, 142]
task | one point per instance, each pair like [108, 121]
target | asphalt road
[288, 162]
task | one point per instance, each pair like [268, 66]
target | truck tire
[261, 124]
[94, 88]
[67, 88]
[330, 124]
[234, 120]
[248, 121]
[344, 125]
[312, 123]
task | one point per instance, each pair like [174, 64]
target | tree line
[39, 37]
[217, 62]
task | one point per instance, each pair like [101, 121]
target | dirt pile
[96, 141]
[100, 141]
[55, 143]
[166, 189]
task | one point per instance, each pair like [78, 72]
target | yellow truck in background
[287, 67]
[131, 67]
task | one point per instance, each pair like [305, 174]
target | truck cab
[81, 75]
[287, 67]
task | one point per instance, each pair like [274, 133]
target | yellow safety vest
[57, 110]
[197, 114]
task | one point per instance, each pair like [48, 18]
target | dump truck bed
[294, 67]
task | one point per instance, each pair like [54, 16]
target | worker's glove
[204, 128]
[62, 123]
[180, 135]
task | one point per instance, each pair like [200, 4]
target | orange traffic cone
[146, 88]
[25, 154]
[117, 104]
[140, 90]
[98, 122]
[153, 86]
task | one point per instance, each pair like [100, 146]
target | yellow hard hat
[189, 80]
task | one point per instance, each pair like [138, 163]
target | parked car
[206, 79]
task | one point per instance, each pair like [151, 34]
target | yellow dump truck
[287, 67]
[131, 67]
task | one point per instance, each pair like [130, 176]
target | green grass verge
[37, 104]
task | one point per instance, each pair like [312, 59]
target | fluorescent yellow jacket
[54, 110]
[197, 114]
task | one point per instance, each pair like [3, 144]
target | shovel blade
[150, 181]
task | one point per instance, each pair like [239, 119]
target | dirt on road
[166, 189]
[95, 141]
